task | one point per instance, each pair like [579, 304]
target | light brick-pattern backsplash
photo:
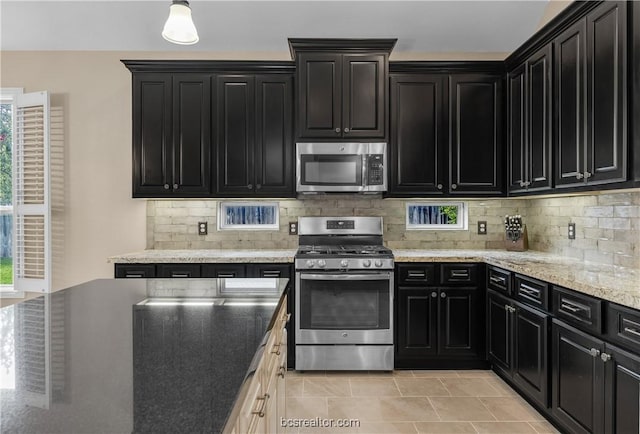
[607, 225]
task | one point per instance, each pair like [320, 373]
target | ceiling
[264, 26]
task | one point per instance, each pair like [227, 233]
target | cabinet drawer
[458, 274]
[531, 291]
[178, 270]
[417, 274]
[224, 270]
[499, 280]
[123, 271]
[579, 310]
[270, 270]
[623, 326]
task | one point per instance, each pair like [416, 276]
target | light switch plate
[202, 228]
[482, 228]
[293, 228]
[571, 231]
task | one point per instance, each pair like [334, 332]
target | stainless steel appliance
[344, 295]
[341, 167]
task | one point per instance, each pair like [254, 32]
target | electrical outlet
[293, 228]
[571, 231]
[482, 228]
[202, 228]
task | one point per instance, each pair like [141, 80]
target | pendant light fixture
[179, 27]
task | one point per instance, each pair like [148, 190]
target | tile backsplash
[607, 225]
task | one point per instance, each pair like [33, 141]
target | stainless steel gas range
[344, 295]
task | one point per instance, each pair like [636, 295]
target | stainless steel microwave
[341, 167]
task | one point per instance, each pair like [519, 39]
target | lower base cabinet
[622, 386]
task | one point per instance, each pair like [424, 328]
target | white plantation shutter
[32, 208]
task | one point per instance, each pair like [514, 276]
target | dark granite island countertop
[129, 355]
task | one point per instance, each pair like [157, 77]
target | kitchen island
[143, 355]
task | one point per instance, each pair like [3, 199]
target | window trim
[236, 227]
[463, 217]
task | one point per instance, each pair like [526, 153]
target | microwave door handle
[365, 177]
[378, 276]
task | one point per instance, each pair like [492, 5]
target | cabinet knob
[439, 186]
[346, 130]
[522, 184]
[443, 295]
[454, 186]
[587, 175]
[434, 294]
[250, 186]
[175, 186]
[258, 186]
[594, 352]
[166, 186]
[337, 130]
[605, 357]
[579, 175]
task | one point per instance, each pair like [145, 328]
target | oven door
[341, 308]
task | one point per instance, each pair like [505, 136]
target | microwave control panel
[375, 169]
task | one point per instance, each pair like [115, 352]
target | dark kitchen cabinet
[530, 123]
[476, 156]
[171, 134]
[578, 395]
[622, 383]
[517, 345]
[178, 270]
[418, 134]
[342, 88]
[436, 324]
[590, 98]
[128, 271]
[254, 126]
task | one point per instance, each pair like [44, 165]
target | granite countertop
[609, 282]
[204, 256]
[123, 356]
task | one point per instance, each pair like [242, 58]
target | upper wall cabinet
[418, 147]
[171, 135]
[591, 98]
[341, 88]
[476, 156]
[254, 135]
[530, 117]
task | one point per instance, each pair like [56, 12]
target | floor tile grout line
[434, 409]
[490, 412]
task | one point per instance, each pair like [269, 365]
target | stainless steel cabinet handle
[454, 186]
[498, 279]
[134, 275]
[270, 273]
[526, 289]
[416, 275]
[179, 274]
[166, 186]
[226, 275]
[434, 294]
[572, 307]
[439, 186]
[594, 352]
[346, 130]
[632, 331]
[337, 130]
[175, 186]
[459, 273]
[605, 357]
[260, 411]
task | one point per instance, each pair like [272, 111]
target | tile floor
[411, 402]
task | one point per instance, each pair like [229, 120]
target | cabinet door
[517, 129]
[577, 379]
[364, 95]
[152, 147]
[475, 120]
[607, 92]
[539, 111]
[235, 101]
[570, 82]
[416, 323]
[191, 135]
[530, 353]
[499, 332]
[274, 135]
[622, 414]
[458, 333]
[634, 104]
[418, 134]
[319, 95]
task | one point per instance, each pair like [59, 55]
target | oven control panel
[344, 264]
[341, 224]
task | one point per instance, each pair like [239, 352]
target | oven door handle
[378, 276]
